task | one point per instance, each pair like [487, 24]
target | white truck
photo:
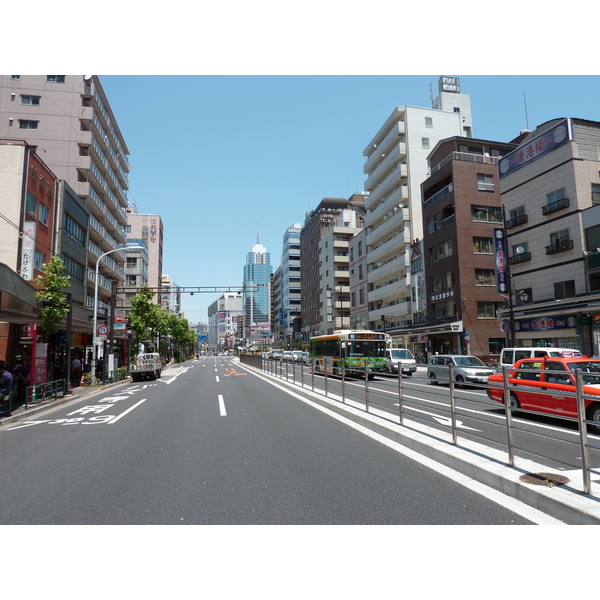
[146, 366]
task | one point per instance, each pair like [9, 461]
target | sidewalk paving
[20, 412]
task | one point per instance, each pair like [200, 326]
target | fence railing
[512, 434]
[34, 394]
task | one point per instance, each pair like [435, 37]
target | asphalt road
[211, 443]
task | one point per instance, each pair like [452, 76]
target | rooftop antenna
[526, 117]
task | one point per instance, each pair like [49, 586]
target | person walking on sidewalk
[75, 372]
[6, 382]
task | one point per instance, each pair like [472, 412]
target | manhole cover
[547, 479]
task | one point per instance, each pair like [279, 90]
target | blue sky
[223, 157]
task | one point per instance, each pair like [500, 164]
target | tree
[140, 315]
[50, 294]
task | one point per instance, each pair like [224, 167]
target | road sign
[466, 334]
[119, 318]
[102, 331]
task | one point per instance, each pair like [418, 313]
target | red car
[554, 375]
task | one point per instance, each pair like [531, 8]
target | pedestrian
[75, 372]
[6, 382]
[21, 379]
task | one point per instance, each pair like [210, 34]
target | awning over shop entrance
[18, 303]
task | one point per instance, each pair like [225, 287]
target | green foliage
[51, 296]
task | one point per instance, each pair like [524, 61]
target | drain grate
[547, 479]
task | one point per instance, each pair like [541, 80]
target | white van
[400, 358]
[509, 356]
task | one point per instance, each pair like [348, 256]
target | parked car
[531, 377]
[306, 360]
[287, 356]
[276, 354]
[400, 358]
[467, 369]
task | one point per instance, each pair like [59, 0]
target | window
[131, 262]
[564, 289]
[442, 282]
[73, 229]
[73, 268]
[489, 214]
[444, 309]
[485, 183]
[30, 204]
[559, 237]
[425, 142]
[428, 122]
[361, 296]
[351, 254]
[43, 214]
[595, 193]
[23, 124]
[15, 77]
[483, 245]
[555, 196]
[416, 265]
[486, 310]
[360, 272]
[441, 251]
[495, 345]
[30, 100]
[485, 277]
[38, 260]
[353, 299]
[55, 78]
[434, 223]
[360, 248]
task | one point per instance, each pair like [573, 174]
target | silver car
[467, 369]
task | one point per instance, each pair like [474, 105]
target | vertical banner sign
[27, 250]
[501, 258]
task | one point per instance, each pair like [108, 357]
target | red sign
[119, 318]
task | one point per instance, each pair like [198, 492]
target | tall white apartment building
[69, 121]
[396, 165]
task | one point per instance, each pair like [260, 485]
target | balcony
[393, 245]
[520, 220]
[394, 220]
[554, 206]
[515, 259]
[388, 269]
[560, 246]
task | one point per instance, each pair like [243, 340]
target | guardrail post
[581, 417]
[294, 371]
[326, 378]
[302, 372]
[366, 384]
[287, 370]
[343, 380]
[508, 414]
[400, 395]
[452, 404]
[312, 374]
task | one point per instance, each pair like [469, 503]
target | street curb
[474, 460]
[46, 405]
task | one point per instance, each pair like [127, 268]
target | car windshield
[468, 361]
[401, 354]
[589, 369]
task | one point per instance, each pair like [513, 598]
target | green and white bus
[349, 350]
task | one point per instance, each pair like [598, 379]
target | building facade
[396, 165]
[149, 228]
[461, 207]
[357, 256]
[550, 186]
[223, 317]
[257, 293]
[330, 216]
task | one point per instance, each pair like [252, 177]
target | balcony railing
[559, 247]
[515, 259]
[554, 206]
[520, 220]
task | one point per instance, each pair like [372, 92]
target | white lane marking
[217, 378]
[222, 406]
[528, 512]
[28, 424]
[127, 411]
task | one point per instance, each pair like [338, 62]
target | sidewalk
[20, 412]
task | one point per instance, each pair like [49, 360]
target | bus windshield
[369, 348]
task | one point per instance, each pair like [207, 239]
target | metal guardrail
[34, 394]
[455, 413]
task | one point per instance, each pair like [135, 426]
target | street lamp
[95, 332]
